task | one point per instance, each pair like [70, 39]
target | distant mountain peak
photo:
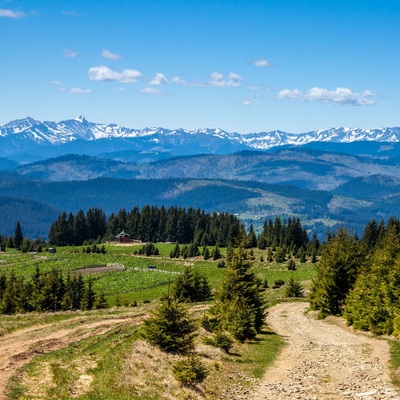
[18, 136]
[81, 119]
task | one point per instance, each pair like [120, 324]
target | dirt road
[324, 360]
[23, 345]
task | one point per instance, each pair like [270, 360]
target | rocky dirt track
[324, 360]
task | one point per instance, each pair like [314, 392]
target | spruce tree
[337, 271]
[18, 236]
[170, 327]
[294, 289]
[239, 307]
[373, 304]
[192, 286]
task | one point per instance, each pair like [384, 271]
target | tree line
[52, 291]
[360, 278]
[149, 224]
[176, 224]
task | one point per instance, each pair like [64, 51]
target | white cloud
[70, 53]
[178, 81]
[56, 82]
[109, 55]
[148, 90]
[103, 73]
[247, 101]
[218, 79]
[159, 79]
[11, 14]
[262, 63]
[337, 96]
[260, 87]
[75, 91]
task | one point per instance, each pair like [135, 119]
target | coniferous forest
[149, 224]
[360, 278]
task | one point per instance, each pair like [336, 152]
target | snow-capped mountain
[27, 135]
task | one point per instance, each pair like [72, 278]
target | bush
[278, 283]
[221, 340]
[291, 265]
[190, 370]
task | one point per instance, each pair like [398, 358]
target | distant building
[123, 237]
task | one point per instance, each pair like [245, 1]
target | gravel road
[324, 359]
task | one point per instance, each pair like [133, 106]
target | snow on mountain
[56, 133]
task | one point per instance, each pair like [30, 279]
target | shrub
[221, 340]
[190, 370]
[291, 265]
[278, 283]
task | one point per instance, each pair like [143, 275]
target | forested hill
[302, 167]
[42, 202]
[323, 188]
[37, 204]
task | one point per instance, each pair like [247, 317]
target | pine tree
[337, 271]
[176, 252]
[294, 289]
[100, 301]
[18, 236]
[89, 297]
[239, 308]
[251, 240]
[80, 228]
[215, 253]
[373, 304]
[280, 256]
[206, 253]
[170, 327]
[192, 286]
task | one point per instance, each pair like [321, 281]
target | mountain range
[26, 140]
[326, 177]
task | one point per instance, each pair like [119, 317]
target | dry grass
[148, 372]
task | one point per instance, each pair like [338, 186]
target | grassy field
[134, 281]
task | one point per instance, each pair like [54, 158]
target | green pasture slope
[134, 281]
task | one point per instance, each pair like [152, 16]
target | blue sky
[244, 66]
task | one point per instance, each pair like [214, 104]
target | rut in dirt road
[19, 347]
[324, 360]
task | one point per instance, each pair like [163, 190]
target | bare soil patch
[19, 347]
[324, 360]
[101, 269]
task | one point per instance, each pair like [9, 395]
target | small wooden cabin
[123, 237]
